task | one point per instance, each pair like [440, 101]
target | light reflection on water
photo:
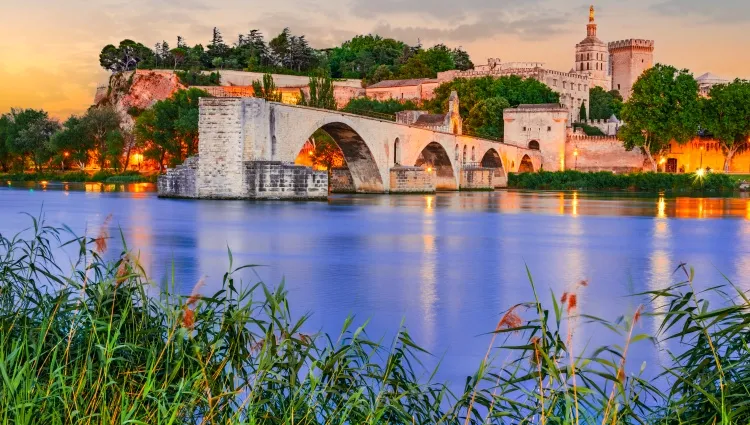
[448, 264]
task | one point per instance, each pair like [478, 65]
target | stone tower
[629, 59]
[592, 56]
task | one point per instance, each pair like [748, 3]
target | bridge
[247, 149]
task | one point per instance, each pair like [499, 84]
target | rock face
[137, 89]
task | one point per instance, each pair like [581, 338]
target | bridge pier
[406, 179]
[477, 178]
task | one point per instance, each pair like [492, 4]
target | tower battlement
[631, 43]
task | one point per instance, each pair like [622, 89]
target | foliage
[486, 118]
[604, 180]
[266, 90]
[327, 154]
[193, 78]
[320, 93]
[125, 57]
[100, 344]
[6, 158]
[726, 115]
[582, 113]
[588, 129]
[663, 108]
[102, 176]
[27, 135]
[169, 130]
[604, 104]
[363, 105]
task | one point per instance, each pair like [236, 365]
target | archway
[435, 157]
[350, 153]
[526, 166]
[396, 153]
[491, 159]
[534, 145]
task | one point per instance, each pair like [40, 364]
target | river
[448, 264]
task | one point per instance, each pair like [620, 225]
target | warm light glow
[700, 172]
[66, 154]
[575, 152]
[44, 182]
[662, 207]
[662, 160]
[429, 170]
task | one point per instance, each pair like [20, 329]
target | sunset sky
[50, 49]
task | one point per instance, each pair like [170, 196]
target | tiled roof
[592, 40]
[401, 83]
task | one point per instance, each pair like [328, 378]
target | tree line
[371, 58]
[665, 107]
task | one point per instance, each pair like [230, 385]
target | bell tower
[592, 56]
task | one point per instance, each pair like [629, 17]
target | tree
[168, 132]
[582, 114]
[603, 104]
[28, 135]
[72, 144]
[321, 93]
[486, 117]
[327, 154]
[726, 115]
[462, 60]
[363, 105]
[438, 58]
[266, 90]
[99, 122]
[663, 108]
[124, 57]
[217, 48]
[381, 73]
[415, 68]
[6, 159]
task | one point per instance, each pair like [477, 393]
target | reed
[98, 342]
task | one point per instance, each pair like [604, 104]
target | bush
[390, 106]
[589, 130]
[194, 78]
[604, 180]
[107, 176]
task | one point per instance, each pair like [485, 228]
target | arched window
[473, 154]
[456, 151]
[588, 66]
[534, 145]
[464, 157]
[395, 152]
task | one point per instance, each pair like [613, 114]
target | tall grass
[97, 342]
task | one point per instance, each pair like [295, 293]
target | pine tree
[321, 93]
[181, 42]
[582, 115]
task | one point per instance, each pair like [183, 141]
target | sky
[49, 49]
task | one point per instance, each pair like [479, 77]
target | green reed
[94, 341]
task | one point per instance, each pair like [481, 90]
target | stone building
[539, 127]
[572, 87]
[445, 123]
[707, 81]
[628, 60]
[592, 57]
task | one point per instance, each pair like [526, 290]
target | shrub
[604, 180]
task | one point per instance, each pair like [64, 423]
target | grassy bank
[604, 181]
[104, 176]
[97, 348]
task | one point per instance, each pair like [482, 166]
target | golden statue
[591, 13]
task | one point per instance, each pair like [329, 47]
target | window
[395, 152]
[618, 87]
[579, 87]
[549, 128]
[473, 154]
[554, 82]
[565, 85]
[464, 158]
[524, 129]
[534, 145]
[588, 66]
[456, 151]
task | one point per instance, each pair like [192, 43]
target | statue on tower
[591, 13]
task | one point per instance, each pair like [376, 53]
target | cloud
[727, 11]
[442, 9]
[526, 27]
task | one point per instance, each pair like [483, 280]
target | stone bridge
[247, 149]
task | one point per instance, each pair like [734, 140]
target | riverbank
[104, 176]
[715, 183]
[102, 344]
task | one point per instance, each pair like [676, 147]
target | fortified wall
[601, 153]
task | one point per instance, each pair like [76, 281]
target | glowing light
[662, 207]
[662, 160]
[700, 172]
[44, 182]
[429, 170]
[575, 152]
[66, 154]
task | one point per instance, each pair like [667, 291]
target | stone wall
[411, 180]
[541, 127]
[601, 153]
[477, 178]
[179, 182]
[278, 180]
[629, 59]
[221, 163]
[342, 181]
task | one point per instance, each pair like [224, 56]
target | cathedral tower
[592, 56]
[629, 59]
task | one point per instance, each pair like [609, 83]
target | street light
[575, 154]
[701, 167]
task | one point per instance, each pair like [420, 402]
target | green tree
[381, 73]
[321, 93]
[582, 113]
[438, 58]
[125, 57]
[72, 145]
[362, 105]
[726, 115]
[29, 133]
[168, 132]
[99, 122]
[663, 107]
[462, 60]
[6, 158]
[604, 104]
[486, 117]
[267, 89]
[415, 68]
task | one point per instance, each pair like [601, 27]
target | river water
[448, 264]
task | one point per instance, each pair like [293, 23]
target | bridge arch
[526, 166]
[358, 156]
[492, 159]
[435, 157]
